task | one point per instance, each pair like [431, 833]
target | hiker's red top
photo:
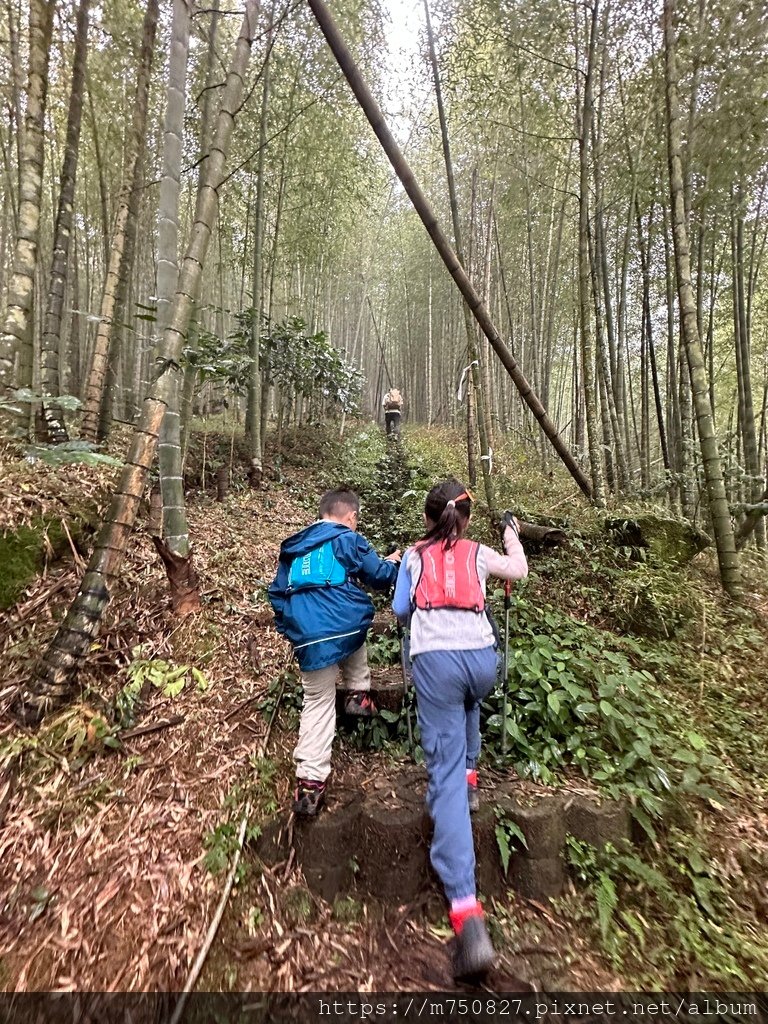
[454, 628]
[449, 577]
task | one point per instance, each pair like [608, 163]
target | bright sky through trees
[406, 85]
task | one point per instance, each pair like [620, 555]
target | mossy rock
[665, 538]
[24, 552]
[347, 910]
[298, 906]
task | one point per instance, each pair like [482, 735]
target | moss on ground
[23, 554]
[25, 551]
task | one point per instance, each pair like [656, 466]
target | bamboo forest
[383, 555]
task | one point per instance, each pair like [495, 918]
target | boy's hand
[394, 556]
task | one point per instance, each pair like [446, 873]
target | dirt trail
[104, 884]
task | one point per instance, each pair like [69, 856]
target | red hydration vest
[449, 579]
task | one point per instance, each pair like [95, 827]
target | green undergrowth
[607, 645]
[676, 917]
[630, 673]
[581, 698]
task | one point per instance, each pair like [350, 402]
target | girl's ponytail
[448, 506]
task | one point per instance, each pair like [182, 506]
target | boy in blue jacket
[321, 609]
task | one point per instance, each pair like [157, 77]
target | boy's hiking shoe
[473, 793]
[308, 797]
[359, 703]
[473, 952]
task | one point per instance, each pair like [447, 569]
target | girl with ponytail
[440, 591]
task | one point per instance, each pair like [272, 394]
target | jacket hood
[311, 537]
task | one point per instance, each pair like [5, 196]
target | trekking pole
[403, 669]
[406, 701]
[505, 683]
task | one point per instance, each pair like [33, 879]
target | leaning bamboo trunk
[718, 502]
[16, 320]
[423, 208]
[54, 429]
[56, 677]
[97, 372]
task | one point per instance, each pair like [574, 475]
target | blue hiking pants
[449, 687]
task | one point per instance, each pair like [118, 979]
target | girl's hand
[508, 519]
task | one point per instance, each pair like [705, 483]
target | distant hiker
[393, 408]
[324, 613]
[441, 591]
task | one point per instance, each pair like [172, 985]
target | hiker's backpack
[317, 568]
[394, 399]
[449, 578]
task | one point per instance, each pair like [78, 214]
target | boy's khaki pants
[318, 714]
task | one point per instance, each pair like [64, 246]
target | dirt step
[375, 841]
[383, 623]
[386, 689]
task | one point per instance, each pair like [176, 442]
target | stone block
[392, 863]
[272, 845]
[491, 880]
[542, 823]
[325, 847]
[598, 823]
[537, 878]
[386, 691]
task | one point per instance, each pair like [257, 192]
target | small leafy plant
[384, 649]
[508, 836]
[170, 679]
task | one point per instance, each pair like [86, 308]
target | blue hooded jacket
[327, 624]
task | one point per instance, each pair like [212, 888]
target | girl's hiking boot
[473, 952]
[359, 703]
[473, 793]
[308, 797]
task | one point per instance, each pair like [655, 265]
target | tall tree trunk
[173, 546]
[484, 354]
[585, 107]
[475, 398]
[16, 120]
[97, 373]
[103, 194]
[207, 119]
[429, 342]
[471, 431]
[718, 503]
[123, 339]
[646, 275]
[253, 420]
[16, 319]
[755, 483]
[54, 429]
[56, 677]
